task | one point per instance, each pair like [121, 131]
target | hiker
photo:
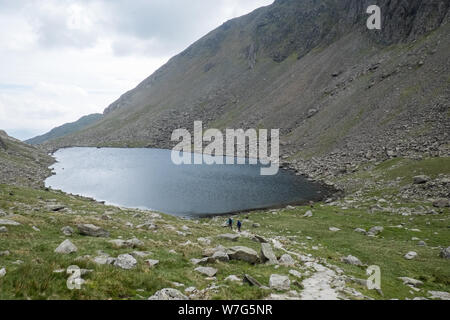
[239, 225]
[230, 223]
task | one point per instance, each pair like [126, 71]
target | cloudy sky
[62, 59]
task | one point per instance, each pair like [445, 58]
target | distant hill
[66, 129]
[22, 164]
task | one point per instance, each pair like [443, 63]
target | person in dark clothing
[239, 225]
[230, 223]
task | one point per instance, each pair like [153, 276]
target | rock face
[125, 261]
[244, 254]
[168, 294]
[92, 231]
[267, 255]
[278, 282]
[66, 247]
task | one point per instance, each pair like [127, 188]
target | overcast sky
[62, 59]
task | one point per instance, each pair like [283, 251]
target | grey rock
[352, 260]
[375, 231]
[360, 230]
[132, 243]
[151, 263]
[3, 230]
[233, 278]
[422, 244]
[210, 272]
[410, 255]
[7, 222]
[104, 260]
[92, 231]
[229, 236]
[66, 247]
[421, 179]
[125, 261]
[168, 294]
[4, 253]
[445, 253]
[441, 203]
[308, 214]
[2, 272]
[221, 256]
[411, 281]
[267, 254]
[279, 282]
[334, 229]
[243, 254]
[67, 231]
[286, 260]
[439, 295]
[252, 281]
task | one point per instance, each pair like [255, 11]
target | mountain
[66, 129]
[22, 164]
[340, 93]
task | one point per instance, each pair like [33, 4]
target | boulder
[411, 281]
[278, 282]
[445, 253]
[151, 263]
[209, 252]
[168, 294]
[92, 231]
[229, 236]
[441, 203]
[208, 271]
[67, 231]
[352, 260]
[421, 179]
[287, 261]
[7, 222]
[267, 255]
[375, 231]
[410, 255]
[244, 254]
[125, 261]
[66, 247]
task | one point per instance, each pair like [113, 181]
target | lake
[147, 179]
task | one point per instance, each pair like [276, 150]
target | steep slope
[335, 89]
[22, 164]
[66, 129]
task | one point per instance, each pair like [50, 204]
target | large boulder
[278, 282]
[125, 261]
[243, 253]
[267, 255]
[66, 247]
[92, 231]
[168, 294]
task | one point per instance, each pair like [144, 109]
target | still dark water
[147, 179]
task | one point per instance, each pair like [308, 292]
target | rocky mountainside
[340, 93]
[66, 129]
[22, 164]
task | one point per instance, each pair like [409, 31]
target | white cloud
[62, 59]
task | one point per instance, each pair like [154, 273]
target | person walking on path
[239, 225]
[230, 223]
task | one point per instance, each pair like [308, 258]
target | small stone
[168, 294]
[221, 256]
[279, 282]
[410, 255]
[2, 272]
[295, 273]
[3, 230]
[375, 231]
[422, 244]
[66, 247]
[360, 230]
[35, 229]
[334, 229]
[210, 272]
[4, 253]
[204, 241]
[125, 261]
[141, 254]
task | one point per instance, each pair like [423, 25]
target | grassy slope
[35, 278]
